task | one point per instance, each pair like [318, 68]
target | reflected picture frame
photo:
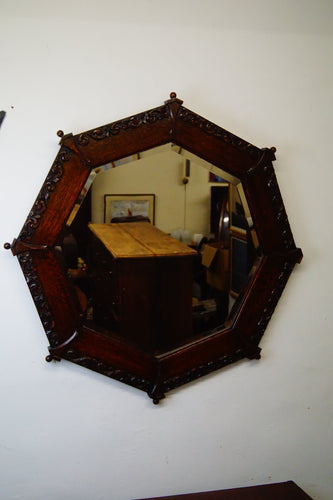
[129, 205]
[216, 178]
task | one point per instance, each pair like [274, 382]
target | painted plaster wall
[262, 70]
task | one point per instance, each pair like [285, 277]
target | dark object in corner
[286, 491]
[2, 116]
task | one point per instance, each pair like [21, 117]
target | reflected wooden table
[142, 284]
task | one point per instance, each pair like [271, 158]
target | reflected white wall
[177, 205]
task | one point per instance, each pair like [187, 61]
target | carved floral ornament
[49, 284]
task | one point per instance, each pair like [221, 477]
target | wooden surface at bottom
[278, 491]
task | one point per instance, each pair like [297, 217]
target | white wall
[263, 70]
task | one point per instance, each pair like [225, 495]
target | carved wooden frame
[49, 285]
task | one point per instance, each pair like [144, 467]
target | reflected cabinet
[157, 248]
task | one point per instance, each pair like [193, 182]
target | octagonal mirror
[157, 248]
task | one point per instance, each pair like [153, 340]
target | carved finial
[173, 100]
[60, 133]
[273, 149]
[52, 357]
[7, 246]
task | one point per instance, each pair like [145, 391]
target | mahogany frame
[49, 283]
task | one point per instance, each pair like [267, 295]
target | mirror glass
[159, 249]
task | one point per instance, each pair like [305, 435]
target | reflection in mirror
[159, 248]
